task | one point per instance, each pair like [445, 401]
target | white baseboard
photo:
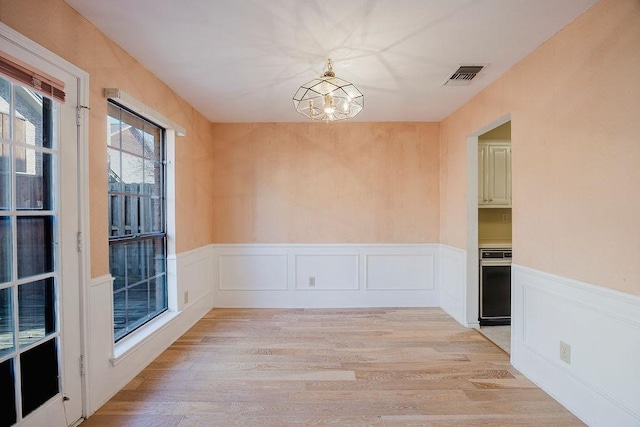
[316, 275]
[452, 281]
[601, 385]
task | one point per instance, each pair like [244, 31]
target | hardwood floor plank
[479, 420]
[435, 384]
[133, 420]
[280, 421]
[290, 375]
[331, 367]
[428, 375]
[407, 396]
[511, 395]
[199, 386]
[503, 383]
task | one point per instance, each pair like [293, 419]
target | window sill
[129, 344]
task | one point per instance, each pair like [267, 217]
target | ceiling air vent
[463, 75]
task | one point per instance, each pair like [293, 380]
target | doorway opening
[489, 229]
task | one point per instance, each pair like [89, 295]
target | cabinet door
[483, 178]
[499, 191]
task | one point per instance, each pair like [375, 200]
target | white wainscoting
[452, 282]
[601, 385]
[316, 275]
[189, 272]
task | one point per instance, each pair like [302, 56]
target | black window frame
[138, 237]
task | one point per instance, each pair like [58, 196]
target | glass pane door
[29, 257]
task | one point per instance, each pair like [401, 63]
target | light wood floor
[346, 367]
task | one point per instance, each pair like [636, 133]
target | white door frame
[472, 291]
[28, 51]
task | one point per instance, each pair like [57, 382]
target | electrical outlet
[312, 281]
[186, 297]
[565, 352]
[505, 217]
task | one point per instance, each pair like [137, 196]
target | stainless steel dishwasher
[495, 287]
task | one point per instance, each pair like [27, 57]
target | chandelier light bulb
[328, 104]
[347, 105]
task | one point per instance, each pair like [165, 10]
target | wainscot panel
[327, 272]
[601, 327]
[260, 272]
[189, 276]
[452, 282]
[400, 272]
[316, 275]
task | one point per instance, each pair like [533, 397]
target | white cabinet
[494, 174]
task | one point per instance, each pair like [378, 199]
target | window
[137, 219]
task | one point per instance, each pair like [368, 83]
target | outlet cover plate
[565, 352]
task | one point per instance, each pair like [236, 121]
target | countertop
[494, 244]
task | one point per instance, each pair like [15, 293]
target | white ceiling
[243, 60]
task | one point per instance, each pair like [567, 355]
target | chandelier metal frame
[328, 98]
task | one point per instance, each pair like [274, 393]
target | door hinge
[79, 241]
[82, 368]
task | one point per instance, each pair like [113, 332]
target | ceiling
[243, 60]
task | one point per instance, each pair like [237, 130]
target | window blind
[33, 79]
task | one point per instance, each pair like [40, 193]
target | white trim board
[126, 100]
[471, 291]
[321, 276]
[602, 326]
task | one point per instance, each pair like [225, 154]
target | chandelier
[328, 98]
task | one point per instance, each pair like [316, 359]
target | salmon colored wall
[326, 183]
[59, 28]
[575, 109]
